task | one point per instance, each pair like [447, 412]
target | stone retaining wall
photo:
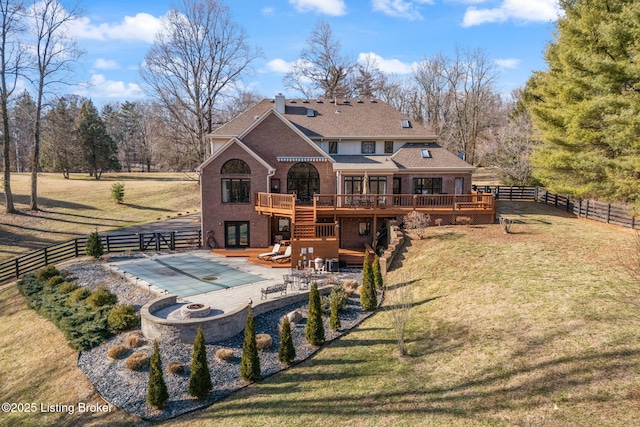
[396, 244]
[214, 328]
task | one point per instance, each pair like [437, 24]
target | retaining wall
[215, 328]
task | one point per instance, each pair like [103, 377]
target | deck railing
[455, 202]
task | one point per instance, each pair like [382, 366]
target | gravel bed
[127, 389]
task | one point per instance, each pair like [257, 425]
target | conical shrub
[368, 299]
[250, 364]
[94, 245]
[377, 273]
[287, 351]
[157, 394]
[200, 380]
[314, 331]
[334, 319]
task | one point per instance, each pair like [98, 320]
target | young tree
[94, 245]
[199, 54]
[12, 61]
[368, 298]
[200, 380]
[250, 363]
[314, 330]
[55, 54]
[100, 151]
[157, 393]
[287, 351]
[400, 303]
[587, 105]
[320, 67]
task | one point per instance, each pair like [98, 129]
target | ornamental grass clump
[133, 340]
[175, 368]
[137, 361]
[200, 380]
[250, 363]
[116, 351]
[224, 354]
[314, 330]
[263, 341]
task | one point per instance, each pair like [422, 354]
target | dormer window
[368, 147]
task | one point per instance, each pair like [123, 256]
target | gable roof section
[343, 119]
[409, 157]
[229, 143]
[271, 112]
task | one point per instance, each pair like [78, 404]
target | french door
[236, 234]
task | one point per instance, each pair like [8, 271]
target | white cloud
[105, 64]
[100, 87]
[279, 66]
[507, 63]
[518, 10]
[267, 11]
[326, 7]
[400, 8]
[142, 27]
[387, 66]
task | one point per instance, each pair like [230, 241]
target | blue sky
[116, 34]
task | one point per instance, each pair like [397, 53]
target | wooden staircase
[304, 222]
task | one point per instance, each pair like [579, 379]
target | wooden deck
[348, 257]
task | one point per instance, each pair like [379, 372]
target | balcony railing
[285, 203]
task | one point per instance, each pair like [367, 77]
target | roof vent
[346, 101]
[293, 101]
[320, 101]
[406, 124]
[373, 101]
[360, 101]
[305, 101]
[311, 112]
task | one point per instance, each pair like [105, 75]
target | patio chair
[267, 255]
[286, 256]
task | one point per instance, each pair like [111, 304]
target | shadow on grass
[49, 203]
[146, 208]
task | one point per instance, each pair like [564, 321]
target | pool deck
[226, 299]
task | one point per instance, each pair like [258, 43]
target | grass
[509, 330]
[77, 206]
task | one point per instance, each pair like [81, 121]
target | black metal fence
[159, 241]
[609, 213]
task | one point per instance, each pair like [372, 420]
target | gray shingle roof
[346, 119]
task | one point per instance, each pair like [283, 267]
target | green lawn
[77, 206]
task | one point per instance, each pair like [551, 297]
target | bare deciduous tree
[400, 302]
[55, 54]
[11, 65]
[418, 222]
[321, 67]
[200, 53]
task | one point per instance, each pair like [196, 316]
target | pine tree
[377, 273]
[314, 331]
[250, 364]
[99, 149]
[334, 320]
[157, 393]
[94, 245]
[368, 299]
[200, 380]
[587, 105]
[287, 351]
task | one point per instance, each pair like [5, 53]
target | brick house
[329, 174]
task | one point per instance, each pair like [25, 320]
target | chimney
[280, 103]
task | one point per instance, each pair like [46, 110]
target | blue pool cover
[188, 275]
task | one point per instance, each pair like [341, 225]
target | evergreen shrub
[122, 317]
[157, 393]
[94, 247]
[200, 380]
[314, 330]
[250, 363]
[287, 351]
[101, 297]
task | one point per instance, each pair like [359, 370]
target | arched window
[303, 179]
[236, 190]
[235, 166]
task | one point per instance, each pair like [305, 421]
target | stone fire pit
[191, 311]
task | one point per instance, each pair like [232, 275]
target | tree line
[572, 128]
